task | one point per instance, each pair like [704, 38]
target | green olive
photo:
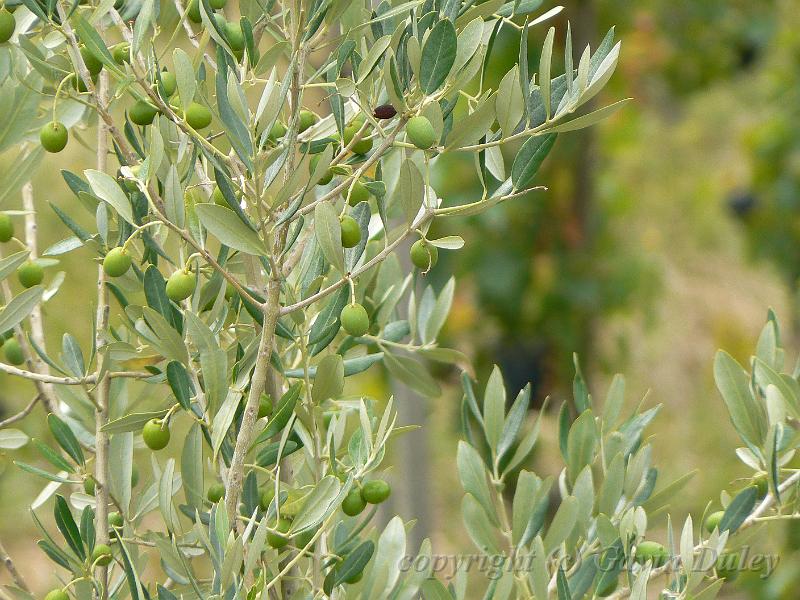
[117, 262]
[142, 113]
[424, 255]
[351, 231]
[155, 434]
[7, 25]
[355, 319]
[54, 136]
[375, 491]
[6, 228]
[181, 285]
[353, 504]
[30, 273]
[420, 132]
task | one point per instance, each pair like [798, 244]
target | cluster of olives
[372, 492]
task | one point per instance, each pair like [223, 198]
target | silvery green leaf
[385, 571]
[480, 530]
[9, 264]
[192, 467]
[375, 53]
[106, 188]
[438, 315]
[329, 234]
[472, 473]
[319, 504]
[494, 408]
[529, 159]
[13, 439]
[471, 128]
[509, 103]
[121, 467]
[544, 70]
[747, 414]
[589, 119]
[229, 229]
[166, 489]
[328, 379]
[132, 421]
[562, 525]
[468, 41]
[410, 191]
[438, 56]
[413, 374]
[449, 242]
[184, 75]
[20, 307]
[223, 419]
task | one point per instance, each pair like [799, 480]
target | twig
[15, 575]
[21, 414]
[424, 218]
[101, 471]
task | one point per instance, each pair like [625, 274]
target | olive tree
[246, 251]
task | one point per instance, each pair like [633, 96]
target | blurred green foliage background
[665, 233]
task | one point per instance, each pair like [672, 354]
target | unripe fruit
[275, 539]
[6, 228]
[13, 352]
[194, 12]
[217, 4]
[155, 434]
[277, 131]
[351, 231]
[727, 566]
[420, 132]
[180, 285]
[169, 83]
[89, 486]
[384, 111]
[266, 497]
[54, 136]
[424, 255]
[353, 504]
[376, 491]
[355, 319]
[101, 555]
[115, 520]
[264, 406]
[142, 113]
[304, 539]
[306, 120]
[312, 165]
[121, 52]
[230, 291]
[93, 64]
[713, 520]
[57, 595]
[30, 274]
[117, 262]
[363, 145]
[359, 193]
[198, 116]
[234, 35]
[651, 551]
[762, 486]
[7, 25]
[216, 493]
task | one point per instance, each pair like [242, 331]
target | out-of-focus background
[666, 232]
